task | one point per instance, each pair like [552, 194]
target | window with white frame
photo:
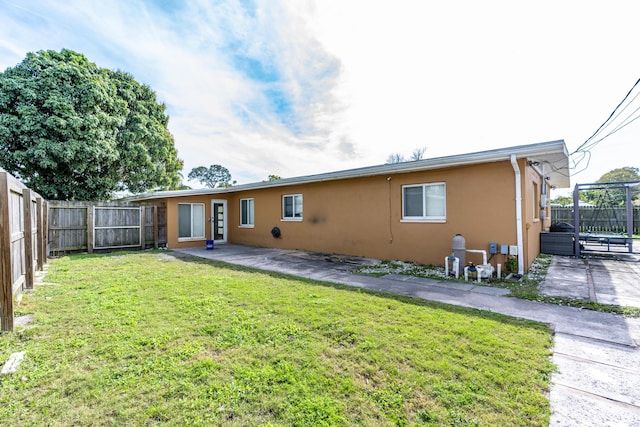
[536, 201]
[292, 207]
[190, 221]
[246, 212]
[424, 202]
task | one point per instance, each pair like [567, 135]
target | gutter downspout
[516, 170]
[544, 199]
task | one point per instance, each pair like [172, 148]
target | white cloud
[334, 84]
[463, 76]
[219, 114]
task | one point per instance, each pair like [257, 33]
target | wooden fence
[23, 224]
[598, 220]
[91, 226]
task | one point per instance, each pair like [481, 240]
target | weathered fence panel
[598, 219]
[155, 224]
[22, 242]
[67, 227]
[89, 226]
[117, 227]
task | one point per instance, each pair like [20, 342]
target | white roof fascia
[553, 153]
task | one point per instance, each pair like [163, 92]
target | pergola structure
[608, 238]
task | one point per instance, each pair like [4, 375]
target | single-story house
[404, 211]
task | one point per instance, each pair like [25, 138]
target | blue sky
[301, 86]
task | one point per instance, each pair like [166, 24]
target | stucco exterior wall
[363, 216]
[535, 218]
[172, 220]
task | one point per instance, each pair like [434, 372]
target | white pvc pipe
[478, 274]
[519, 239]
[456, 266]
[499, 273]
[479, 251]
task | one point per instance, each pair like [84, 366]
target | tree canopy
[417, 154]
[563, 200]
[615, 196]
[213, 176]
[71, 130]
[626, 173]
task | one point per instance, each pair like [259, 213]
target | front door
[219, 221]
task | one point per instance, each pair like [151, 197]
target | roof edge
[540, 149]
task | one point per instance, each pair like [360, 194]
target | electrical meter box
[513, 250]
[493, 248]
[504, 249]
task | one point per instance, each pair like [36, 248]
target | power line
[616, 129]
[584, 149]
[623, 124]
[608, 118]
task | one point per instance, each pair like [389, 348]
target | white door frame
[214, 220]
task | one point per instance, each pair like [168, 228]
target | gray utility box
[557, 243]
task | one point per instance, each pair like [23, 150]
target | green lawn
[148, 339]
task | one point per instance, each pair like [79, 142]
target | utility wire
[608, 118]
[626, 122]
[583, 151]
[617, 115]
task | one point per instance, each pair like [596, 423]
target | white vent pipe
[479, 251]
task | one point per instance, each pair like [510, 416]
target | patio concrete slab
[596, 383]
[615, 383]
[572, 408]
[615, 281]
[598, 279]
[566, 278]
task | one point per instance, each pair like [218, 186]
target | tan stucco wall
[172, 220]
[534, 221]
[362, 217]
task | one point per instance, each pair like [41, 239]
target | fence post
[6, 276]
[576, 220]
[143, 227]
[40, 234]
[45, 231]
[90, 229]
[28, 238]
[155, 226]
[629, 218]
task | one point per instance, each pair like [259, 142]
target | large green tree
[71, 130]
[213, 176]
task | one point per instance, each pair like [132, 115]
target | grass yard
[148, 339]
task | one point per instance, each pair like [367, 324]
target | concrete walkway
[600, 279]
[597, 382]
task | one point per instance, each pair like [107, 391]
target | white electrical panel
[513, 250]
